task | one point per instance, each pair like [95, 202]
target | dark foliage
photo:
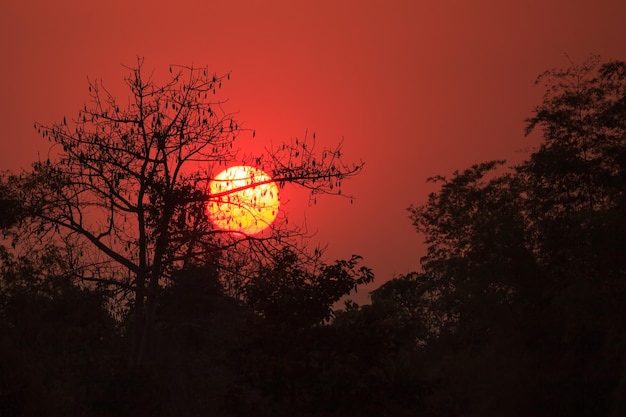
[58, 340]
[527, 268]
[518, 309]
[295, 296]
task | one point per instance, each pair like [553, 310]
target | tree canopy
[527, 266]
[517, 309]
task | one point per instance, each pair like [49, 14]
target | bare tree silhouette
[126, 186]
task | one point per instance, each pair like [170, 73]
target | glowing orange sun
[243, 199]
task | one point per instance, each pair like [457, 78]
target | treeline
[518, 309]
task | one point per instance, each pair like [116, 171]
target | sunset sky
[414, 88]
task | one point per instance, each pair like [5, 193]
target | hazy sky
[414, 88]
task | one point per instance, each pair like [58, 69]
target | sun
[243, 199]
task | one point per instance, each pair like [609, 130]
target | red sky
[415, 88]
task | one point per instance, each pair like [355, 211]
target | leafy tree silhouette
[525, 269]
[575, 185]
[291, 294]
